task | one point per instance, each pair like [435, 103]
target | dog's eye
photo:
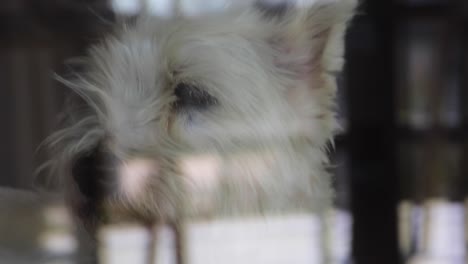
[191, 97]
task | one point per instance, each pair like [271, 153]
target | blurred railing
[36, 228]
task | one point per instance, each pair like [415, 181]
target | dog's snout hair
[226, 113]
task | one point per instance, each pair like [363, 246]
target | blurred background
[401, 161]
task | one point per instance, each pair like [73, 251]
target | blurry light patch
[132, 243]
[338, 236]
[58, 243]
[203, 171]
[433, 232]
[126, 7]
[198, 7]
[123, 244]
[293, 238]
[445, 231]
[58, 238]
[163, 8]
[134, 175]
[286, 239]
[57, 216]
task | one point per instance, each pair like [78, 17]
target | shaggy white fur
[235, 110]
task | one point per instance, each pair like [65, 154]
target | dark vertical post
[374, 185]
[463, 83]
[7, 135]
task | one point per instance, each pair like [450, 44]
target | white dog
[226, 113]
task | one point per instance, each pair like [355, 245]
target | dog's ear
[308, 45]
[309, 35]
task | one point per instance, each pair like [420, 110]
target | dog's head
[213, 113]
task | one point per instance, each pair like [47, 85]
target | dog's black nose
[92, 174]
